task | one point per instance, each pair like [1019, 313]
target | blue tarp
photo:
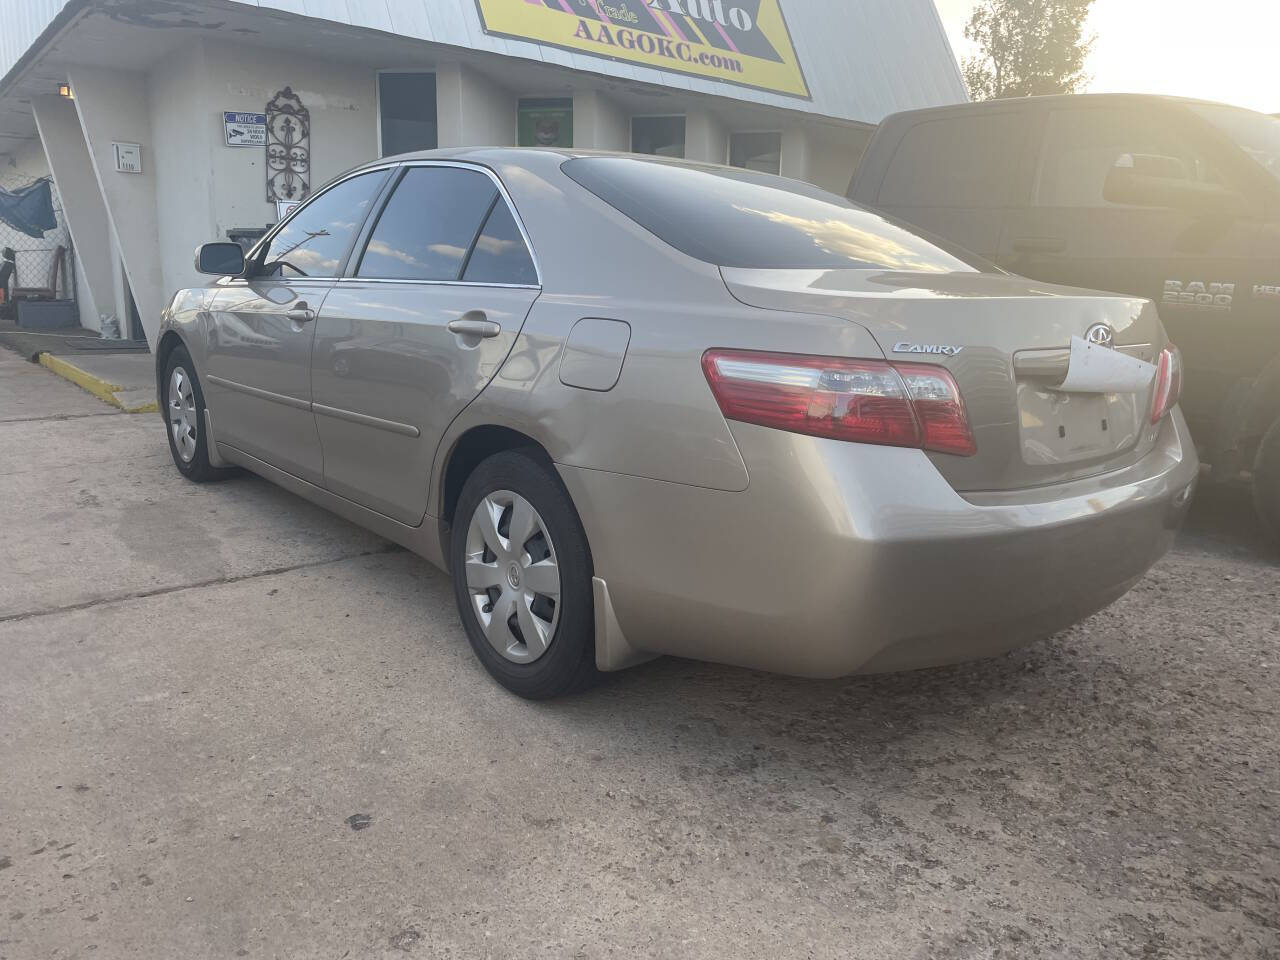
[29, 209]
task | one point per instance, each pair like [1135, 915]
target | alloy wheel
[512, 576]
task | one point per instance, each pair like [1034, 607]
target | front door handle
[300, 312]
[469, 327]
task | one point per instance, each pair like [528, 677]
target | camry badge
[1100, 335]
[946, 349]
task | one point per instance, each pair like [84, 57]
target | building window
[756, 151]
[663, 136]
[545, 122]
[407, 112]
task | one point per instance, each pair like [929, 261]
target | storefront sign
[244, 129]
[744, 42]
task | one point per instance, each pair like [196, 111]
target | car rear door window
[966, 161]
[429, 225]
[315, 240]
[1082, 146]
[500, 254]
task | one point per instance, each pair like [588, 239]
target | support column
[705, 138]
[795, 159]
[113, 106]
[82, 204]
[472, 110]
[599, 123]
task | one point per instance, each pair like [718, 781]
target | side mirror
[220, 258]
[1143, 180]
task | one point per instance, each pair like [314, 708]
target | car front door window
[315, 240]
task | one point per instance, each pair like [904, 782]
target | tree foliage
[1027, 48]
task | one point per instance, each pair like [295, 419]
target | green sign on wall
[546, 122]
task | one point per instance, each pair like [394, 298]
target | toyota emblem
[1100, 335]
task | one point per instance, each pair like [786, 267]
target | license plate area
[1057, 428]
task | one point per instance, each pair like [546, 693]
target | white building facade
[165, 124]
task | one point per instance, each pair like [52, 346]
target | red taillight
[866, 401]
[1168, 383]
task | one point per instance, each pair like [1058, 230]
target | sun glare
[1222, 50]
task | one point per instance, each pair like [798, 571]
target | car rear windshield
[739, 218]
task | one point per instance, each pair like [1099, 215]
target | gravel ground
[232, 725]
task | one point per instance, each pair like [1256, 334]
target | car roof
[489, 155]
[1032, 103]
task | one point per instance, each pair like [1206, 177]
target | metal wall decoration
[288, 147]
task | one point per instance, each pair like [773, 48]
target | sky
[1227, 50]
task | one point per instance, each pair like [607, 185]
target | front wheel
[522, 577]
[183, 412]
[1266, 481]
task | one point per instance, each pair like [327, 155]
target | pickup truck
[1171, 199]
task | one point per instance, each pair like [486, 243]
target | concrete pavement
[233, 725]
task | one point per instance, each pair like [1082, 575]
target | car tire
[182, 408]
[495, 573]
[1266, 481]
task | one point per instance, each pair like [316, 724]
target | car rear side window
[429, 225]
[500, 254]
[315, 239]
[739, 218]
[968, 161]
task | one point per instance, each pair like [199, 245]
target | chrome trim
[1051, 362]
[392, 426]
[259, 393]
[441, 283]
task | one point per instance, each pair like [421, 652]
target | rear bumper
[842, 558]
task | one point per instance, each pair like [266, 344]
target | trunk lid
[1005, 340]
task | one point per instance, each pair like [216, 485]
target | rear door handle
[300, 313]
[1039, 244]
[468, 326]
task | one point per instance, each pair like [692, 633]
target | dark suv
[1175, 200]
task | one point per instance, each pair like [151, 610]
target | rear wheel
[522, 577]
[183, 411]
[1266, 481]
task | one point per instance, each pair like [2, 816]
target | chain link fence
[45, 262]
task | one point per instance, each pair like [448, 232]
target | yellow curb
[98, 387]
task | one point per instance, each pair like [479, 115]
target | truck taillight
[1168, 383]
[864, 401]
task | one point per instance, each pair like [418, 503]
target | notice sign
[244, 129]
[744, 42]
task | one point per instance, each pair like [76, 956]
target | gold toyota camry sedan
[640, 407]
